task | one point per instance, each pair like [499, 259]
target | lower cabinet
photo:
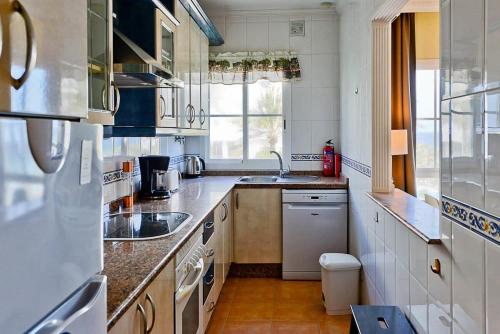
[227, 241]
[153, 311]
[257, 225]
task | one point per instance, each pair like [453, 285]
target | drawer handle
[209, 225]
[436, 267]
[210, 280]
[212, 307]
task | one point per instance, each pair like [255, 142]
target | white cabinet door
[205, 84]
[195, 70]
[46, 56]
[182, 64]
[492, 117]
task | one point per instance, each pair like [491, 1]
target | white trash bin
[340, 282]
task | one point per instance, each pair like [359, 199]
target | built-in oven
[190, 270]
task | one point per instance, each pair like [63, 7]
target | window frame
[245, 163]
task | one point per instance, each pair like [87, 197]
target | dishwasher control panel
[315, 196]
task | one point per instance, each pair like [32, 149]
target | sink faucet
[283, 172]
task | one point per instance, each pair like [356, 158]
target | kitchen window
[247, 121]
[428, 128]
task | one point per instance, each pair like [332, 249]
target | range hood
[135, 68]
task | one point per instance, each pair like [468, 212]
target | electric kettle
[194, 166]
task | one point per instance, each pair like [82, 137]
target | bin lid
[338, 261]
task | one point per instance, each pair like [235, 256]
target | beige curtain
[403, 103]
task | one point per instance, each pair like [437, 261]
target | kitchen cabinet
[103, 95]
[219, 254]
[44, 57]
[257, 226]
[192, 59]
[153, 309]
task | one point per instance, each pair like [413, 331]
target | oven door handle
[185, 290]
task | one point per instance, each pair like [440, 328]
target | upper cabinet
[103, 95]
[492, 47]
[193, 59]
[445, 41]
[467, 46]
[175, 47]
[43, 63]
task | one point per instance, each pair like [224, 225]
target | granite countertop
[131, 265]
[421, 218]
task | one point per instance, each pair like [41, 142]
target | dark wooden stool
[367, 319]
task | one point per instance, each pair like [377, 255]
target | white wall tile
[322, 131]
[257, 33]
[324, 36]
[235, 33]
[418, 259]
[439, 320]
[379, 266]
[301, 137]
[389, 277]
[301, 165]
[418, 307]
[440, 284]
[402, 287]
[324, 70]
[468, 281]
[402, 245]
[492, 291]
[390, 232]
[323, 102]
[301, 103]
[279, 38]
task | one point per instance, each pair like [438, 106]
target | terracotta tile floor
[263, 306]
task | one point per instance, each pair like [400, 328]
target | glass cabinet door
[165, 41]
[99, 55]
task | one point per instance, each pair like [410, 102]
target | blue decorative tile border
[478, 221]
[307, 157]
[357, 166]
[113, 176]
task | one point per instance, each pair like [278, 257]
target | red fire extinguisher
[328, 159]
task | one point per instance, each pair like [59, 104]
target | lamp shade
[399, 142]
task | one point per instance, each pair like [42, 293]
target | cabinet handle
[376, 217]
[31, 53]
[188, 113]
[193, 114]
[212, 307]
[117, 98]
[224, 205]
[142, 312]
[105, 105]
[210, 253]
[163, 107]
[202, 113]
[209, 225]
[153, 308]
[436, 267]
[237, 200]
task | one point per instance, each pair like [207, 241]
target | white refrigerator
[51, 246]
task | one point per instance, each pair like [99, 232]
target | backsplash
[118, 150]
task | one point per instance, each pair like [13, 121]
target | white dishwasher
[314, 222]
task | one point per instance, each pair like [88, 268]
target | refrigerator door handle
[81, 302]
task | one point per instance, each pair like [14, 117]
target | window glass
[246, 132]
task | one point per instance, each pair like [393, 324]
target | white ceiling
[257, 5]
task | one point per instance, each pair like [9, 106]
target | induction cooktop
[143, 225]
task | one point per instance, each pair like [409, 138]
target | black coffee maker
[154, 176]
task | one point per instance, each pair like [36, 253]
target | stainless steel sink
[275, 179]
[144, 225]
[298, 179]
[259, 179]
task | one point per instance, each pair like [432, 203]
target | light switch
[86, 162]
